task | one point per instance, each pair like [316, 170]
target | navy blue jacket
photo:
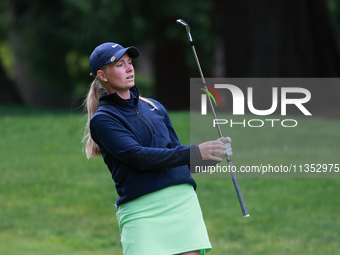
[139, 146]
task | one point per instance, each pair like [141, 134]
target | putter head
[183, 23]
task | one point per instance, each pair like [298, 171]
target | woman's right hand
[210, 148]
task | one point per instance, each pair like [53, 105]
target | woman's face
[120, 76]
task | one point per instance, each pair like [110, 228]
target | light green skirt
[165, 222]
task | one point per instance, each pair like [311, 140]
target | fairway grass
[55, 201]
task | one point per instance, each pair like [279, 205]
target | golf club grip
[237, 188]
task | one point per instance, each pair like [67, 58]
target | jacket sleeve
[195, 154]
[121, 143]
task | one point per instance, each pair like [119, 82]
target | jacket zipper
[140, 115]
[136, 111]
[145, 119]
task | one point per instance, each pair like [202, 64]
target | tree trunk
[9, 94]
[172, 72]
[283, 38]
[31, 90]
[41, 75]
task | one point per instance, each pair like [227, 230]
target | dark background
[45, 45]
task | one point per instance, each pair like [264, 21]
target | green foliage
[146, 85]
[6, 58]
[54, 38]
[334, 14]
[55, 201]
[334, 11]
[4, 20]
[33, 32]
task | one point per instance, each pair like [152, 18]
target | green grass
[55, 201]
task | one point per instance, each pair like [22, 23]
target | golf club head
[183, 23]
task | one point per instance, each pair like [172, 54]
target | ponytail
[148, 102]
[91, 106]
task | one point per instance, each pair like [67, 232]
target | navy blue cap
[109, 52]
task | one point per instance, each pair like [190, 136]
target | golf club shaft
[232, 173]
[201, 73]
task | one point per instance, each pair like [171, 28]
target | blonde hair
[91, 104]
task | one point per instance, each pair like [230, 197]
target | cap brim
[131, 51]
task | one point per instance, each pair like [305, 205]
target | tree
[40, 70]
[174, 62]
[280, 39]
[53, 40]
[8, 94]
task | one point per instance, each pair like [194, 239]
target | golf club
[232, 173]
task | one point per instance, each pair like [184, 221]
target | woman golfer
[157, 210]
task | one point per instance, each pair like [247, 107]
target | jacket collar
[113, 98]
